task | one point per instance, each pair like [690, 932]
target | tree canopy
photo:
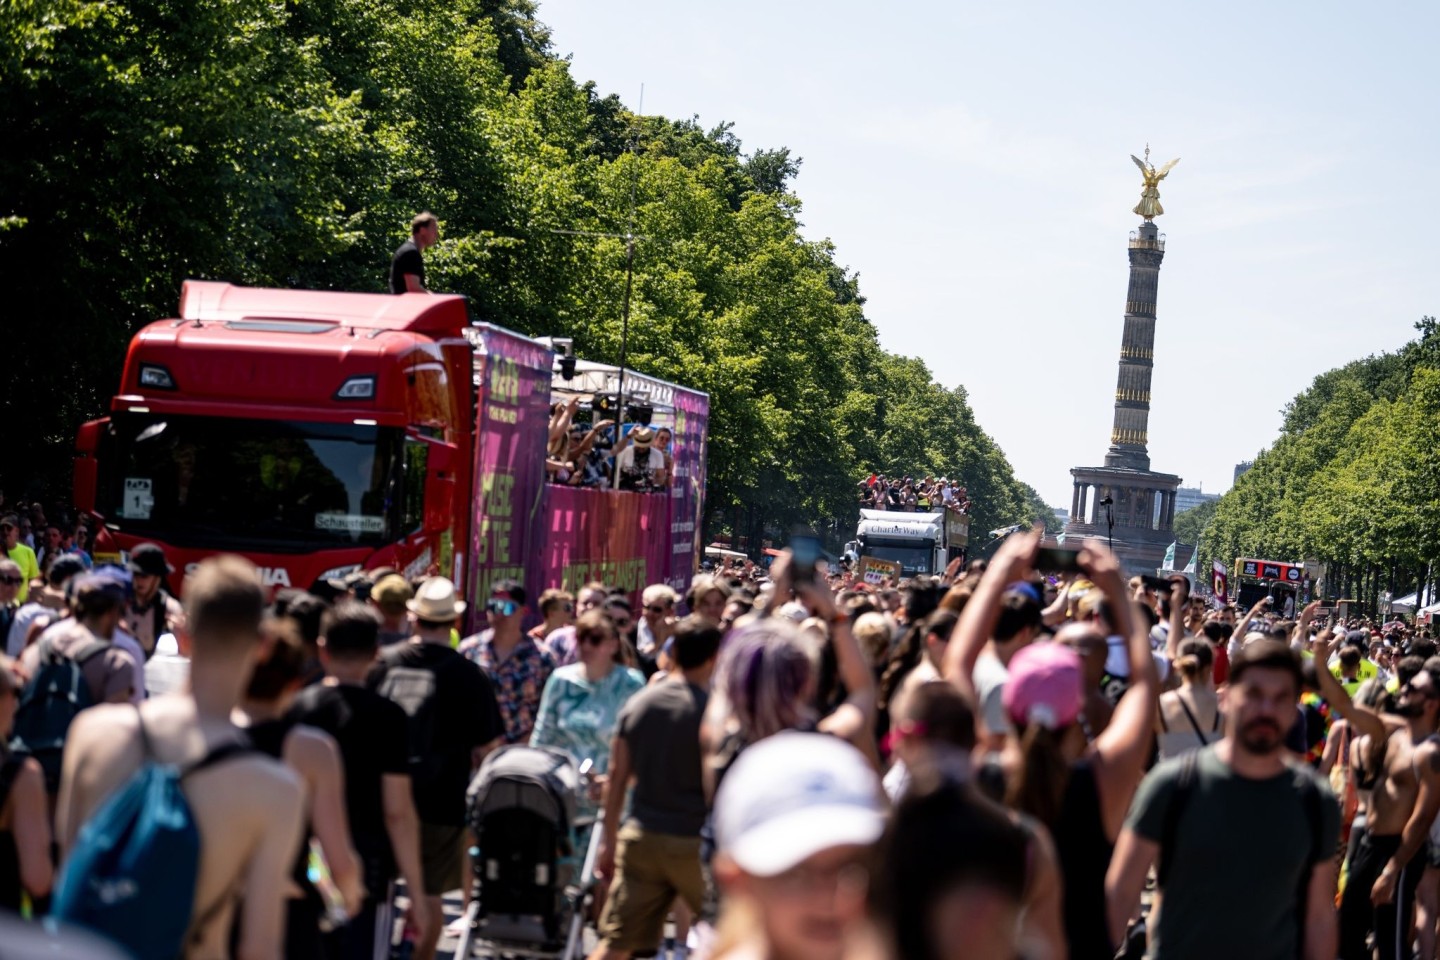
[288, 145]
[1190, 524]
[1352, 482]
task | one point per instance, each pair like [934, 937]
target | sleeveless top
[268, 737]
[1175, 742]
[1084, 854]
[11, 890]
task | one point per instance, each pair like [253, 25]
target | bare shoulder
[309, 747]
[104, 730]
[1427, 756]
[249, 788]
[30, 770]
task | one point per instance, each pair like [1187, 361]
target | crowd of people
[592, 456]
[996, 763]
[879, 492]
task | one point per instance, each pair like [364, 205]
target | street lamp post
[1108, 503]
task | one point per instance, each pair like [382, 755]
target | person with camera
[1078, 788]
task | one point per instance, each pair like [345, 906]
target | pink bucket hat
[1045, 686]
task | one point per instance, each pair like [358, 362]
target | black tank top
[268, 737]
[1084, 853]
[10, 887]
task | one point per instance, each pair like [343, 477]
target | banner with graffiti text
[509, 506]
[620, 539]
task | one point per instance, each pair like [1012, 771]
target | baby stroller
[532, 886]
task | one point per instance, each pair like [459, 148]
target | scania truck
[318, 433]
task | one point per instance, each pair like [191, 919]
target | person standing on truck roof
[407, 270]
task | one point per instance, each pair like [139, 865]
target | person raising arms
[1079, 790]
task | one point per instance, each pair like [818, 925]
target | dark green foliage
[148, 141]
[1353, 481]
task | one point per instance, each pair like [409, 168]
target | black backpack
[48, 706]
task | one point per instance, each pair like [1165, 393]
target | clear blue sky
[971, 161]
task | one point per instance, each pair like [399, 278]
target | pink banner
[620, 539]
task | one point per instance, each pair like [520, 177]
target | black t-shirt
[371, 732]
[452, 710]
[406, 260]
[661, 727]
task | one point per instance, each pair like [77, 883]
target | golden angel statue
[1149, 205]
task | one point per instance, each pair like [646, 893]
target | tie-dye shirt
[580, 717]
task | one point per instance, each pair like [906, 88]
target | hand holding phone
[1057, 560]
[805, 550]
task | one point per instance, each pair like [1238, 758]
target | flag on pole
[1190, 567]
[1060, 537]
[1220, 583]
[1170, 556]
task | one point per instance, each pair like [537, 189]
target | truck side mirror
[87, 464]
[439, 483]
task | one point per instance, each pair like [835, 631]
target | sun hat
[641, 436]
[436, 601]
[1045, 686]
[793, 795]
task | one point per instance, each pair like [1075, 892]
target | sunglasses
[12, 581]
[655, 609]
[591, 639]
[503, 607]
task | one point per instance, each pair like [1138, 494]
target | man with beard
[1245, 837]
[1387, 867]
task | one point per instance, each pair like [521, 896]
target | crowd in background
[591, 456]
[985, 764]
[878, 492]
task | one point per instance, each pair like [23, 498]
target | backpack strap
[225, 751]
[92, 649]
[1184, 787]
[1194, 724]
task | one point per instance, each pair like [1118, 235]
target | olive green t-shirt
[1241, 849]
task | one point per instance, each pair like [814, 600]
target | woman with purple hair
[767, 680]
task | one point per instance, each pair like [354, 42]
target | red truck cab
[315, 432]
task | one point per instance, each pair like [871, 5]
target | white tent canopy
[1404, 604]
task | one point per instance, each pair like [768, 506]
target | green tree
[1190, 524]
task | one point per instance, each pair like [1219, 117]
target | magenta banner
[508, 531]
[620, 539]
[687, 491]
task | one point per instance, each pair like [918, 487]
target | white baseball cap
[793, 795]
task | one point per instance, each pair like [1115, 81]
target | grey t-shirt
[661, 728]
[990, 676]
[1218, 902]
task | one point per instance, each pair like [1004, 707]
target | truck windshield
[913, 558]
[220, 482]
